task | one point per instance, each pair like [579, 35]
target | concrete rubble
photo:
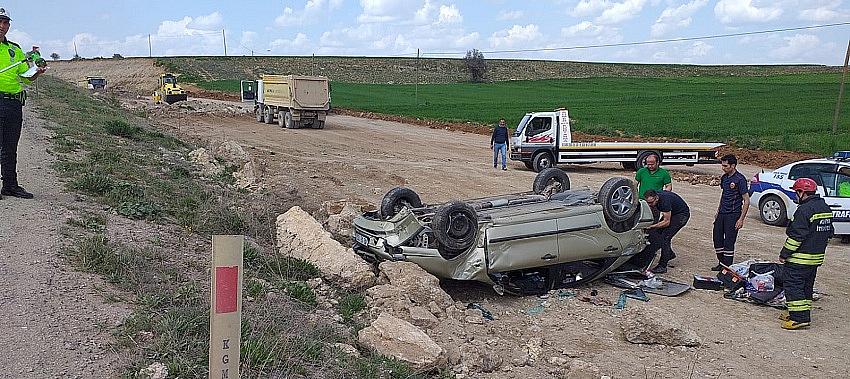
[651, 326]
[391, 336]
[299, 235]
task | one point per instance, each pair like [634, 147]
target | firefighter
[808, 234]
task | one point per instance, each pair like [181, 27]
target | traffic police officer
[734, 203]
[12, 97]
[804, 250]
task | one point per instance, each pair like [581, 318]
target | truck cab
[544, 139]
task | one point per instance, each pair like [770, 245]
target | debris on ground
[485, 313]
[299, 235]
[397, 338]
[205, 162]
[156, 370]
[409, 293]
[709, 180]
[651, 326]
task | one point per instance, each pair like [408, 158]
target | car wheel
[628, 166]
[529, 165]
[551, 181]
[641, 159]
[619, 200]
[455, 226]
[542, 161]
[397, 199]
[259, 114]
[772, 211]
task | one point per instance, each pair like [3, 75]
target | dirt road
[54, 322]
[361, 159]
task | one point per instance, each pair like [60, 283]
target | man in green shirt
[12, 63]
[652, 177]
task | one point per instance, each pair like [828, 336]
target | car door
[817, 171]
[539, 131]
[838, 198]
[520, 244]
[582, 237]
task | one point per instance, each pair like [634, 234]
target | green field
[780, 112]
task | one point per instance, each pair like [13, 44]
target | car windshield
[521, 125]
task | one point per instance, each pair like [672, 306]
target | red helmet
[805, 185]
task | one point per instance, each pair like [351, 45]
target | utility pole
[416, 78]
[224, 41]
[313, 65]
[75, 50]
[841, 91]
[150, 46]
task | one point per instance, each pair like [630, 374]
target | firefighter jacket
[808, 233]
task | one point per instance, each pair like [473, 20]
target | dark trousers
[662, 239]
[11, 118]
[798, 282]
[725, 235]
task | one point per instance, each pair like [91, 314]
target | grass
[781, 112]
[142, 174]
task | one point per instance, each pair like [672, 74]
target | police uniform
[12, 96]
[734, 187]
[804, 250]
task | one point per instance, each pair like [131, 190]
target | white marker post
[226, 306]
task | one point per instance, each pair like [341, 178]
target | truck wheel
[772, 211]
[529, 165]
[268, 115]
[551, 181]
[397, 199]
[641, 159]
[542, 161]
[619, 200]
[259, 113]
[628, 166]
[320, 124]
[455, 227]
[281, 119]
[289, 124]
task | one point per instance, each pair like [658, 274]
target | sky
[556, 29]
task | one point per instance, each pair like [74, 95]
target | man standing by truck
[499, 144]
[804, 250]
[652, 177]
[734, 203]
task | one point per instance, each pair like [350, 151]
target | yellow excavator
[169, 91]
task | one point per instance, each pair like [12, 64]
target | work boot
[719, 267]
[794, 325]
[784, 316]
[659, 269]
[16, 191]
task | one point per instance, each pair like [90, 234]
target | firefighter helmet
[805, 185]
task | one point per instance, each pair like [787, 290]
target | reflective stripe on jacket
[808, 233]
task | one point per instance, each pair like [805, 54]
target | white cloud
[449, 14]
[294, 45]
[744, 11]
[797, 47]
[312, 10]
[210, 21]
[619, 12]
[385, 10]
[699, 49]
[587, 32]
[506, 15]
[824, 11]
[589, 7]
[516, 36]
[676, 17]
[287, 18]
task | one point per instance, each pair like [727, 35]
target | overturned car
[523, 243]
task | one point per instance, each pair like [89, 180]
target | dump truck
[295, 101]
[93, 82]
[169, 91]
[544, 139]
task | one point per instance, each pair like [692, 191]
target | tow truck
[544, 139]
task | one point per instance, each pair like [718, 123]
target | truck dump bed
[298, 92]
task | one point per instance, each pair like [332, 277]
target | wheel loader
[169, 91]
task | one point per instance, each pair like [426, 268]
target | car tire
[529, 165]
[619, 200]
[551, 181]
[641, 159]
[772, 211]
[259, 114]
[397, 199]
[542, 161]
[629, 166]
[455, 227]
[268, 115]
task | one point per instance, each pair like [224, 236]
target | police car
[770, 191]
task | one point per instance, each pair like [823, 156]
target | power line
[649, 42]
